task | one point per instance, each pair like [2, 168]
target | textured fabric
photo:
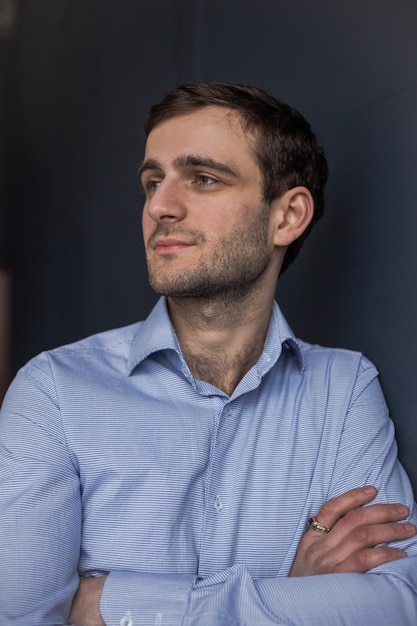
[114, 459]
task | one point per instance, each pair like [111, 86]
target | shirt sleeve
[233, 598]
[40, 521]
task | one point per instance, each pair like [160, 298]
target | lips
[168, 245]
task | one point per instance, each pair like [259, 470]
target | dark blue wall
[85, 73]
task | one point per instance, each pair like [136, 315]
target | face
[207, 232]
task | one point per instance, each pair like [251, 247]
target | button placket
[213, 521]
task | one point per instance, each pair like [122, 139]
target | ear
[293, 212]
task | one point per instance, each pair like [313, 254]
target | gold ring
[314, 523]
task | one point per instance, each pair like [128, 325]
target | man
[164, 473]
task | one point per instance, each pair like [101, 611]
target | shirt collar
[156, 333]
[279, 335]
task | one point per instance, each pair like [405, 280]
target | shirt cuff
[136, 599]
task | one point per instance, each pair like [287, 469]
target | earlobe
[294, 210]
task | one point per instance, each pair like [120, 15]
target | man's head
[283, 144]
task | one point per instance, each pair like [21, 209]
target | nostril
[168, 218]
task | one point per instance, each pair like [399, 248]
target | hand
[353, 543]
[85, 610]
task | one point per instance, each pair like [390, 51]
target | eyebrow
[190, 160]
[149, 164]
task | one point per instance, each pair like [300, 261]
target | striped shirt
[115, 460]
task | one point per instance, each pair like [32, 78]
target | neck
[221, 339]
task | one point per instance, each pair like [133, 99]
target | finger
[332, 510]
[345, 548]
[376, 534]
[372, 514]
[369, 526]
[362, 561]
[326, 554]
[372, 536]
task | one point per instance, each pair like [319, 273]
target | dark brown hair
[286, 149]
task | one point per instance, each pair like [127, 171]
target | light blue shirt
[114, 459]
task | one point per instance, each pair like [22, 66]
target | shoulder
[337, 369]
[316, 355]
[98, 350]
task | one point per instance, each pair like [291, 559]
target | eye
[205, 181]
[150, 186]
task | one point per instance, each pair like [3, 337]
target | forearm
[146, 598]
[385, 597]
[372, 599]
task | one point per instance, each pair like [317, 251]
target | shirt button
[126, 620]
[218, 505]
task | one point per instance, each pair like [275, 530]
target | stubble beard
[226, 273]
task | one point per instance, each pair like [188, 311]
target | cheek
[221, 218]
[146, 223]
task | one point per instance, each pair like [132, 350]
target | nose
[167, 203]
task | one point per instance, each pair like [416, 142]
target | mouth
[169, 245]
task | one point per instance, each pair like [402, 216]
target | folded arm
[327, 583]
[351, 547]
[41, 525]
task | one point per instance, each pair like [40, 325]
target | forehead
[212, 130]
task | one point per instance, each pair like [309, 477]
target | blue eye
[205, 181]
